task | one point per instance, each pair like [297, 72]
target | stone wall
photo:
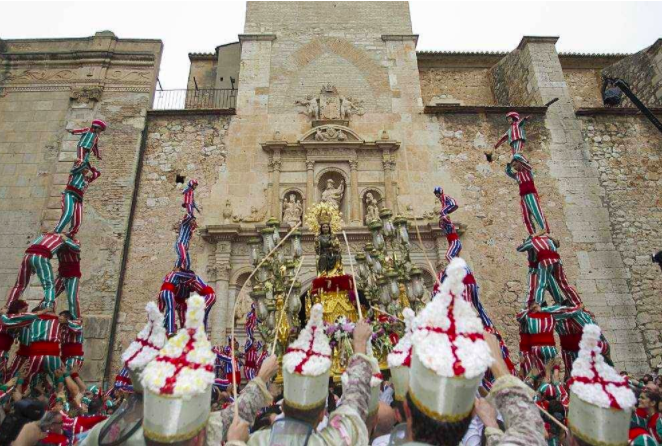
[189, 146]
[513, 79]
[490, 207]
[643, 72]
[472, 86]
[341, 45]
[50, 85]
[203, 69]
[626, 152]
[584, 86]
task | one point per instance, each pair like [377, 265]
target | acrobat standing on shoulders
[448, 206]
[521, 171]
[89, 141]
[189, 198]
[515, 134]
[80, 177]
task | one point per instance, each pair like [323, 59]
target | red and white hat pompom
[448, 336]
[593, 380]
[185, 366]
[310, 354]
[149, 341]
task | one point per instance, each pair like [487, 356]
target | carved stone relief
[330, 105]
[292, 208]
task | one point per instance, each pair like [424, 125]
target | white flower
[195, 312]
[155, 375]
[320, 361]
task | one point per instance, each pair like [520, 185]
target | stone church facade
[334, 93]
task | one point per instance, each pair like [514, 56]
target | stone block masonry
[46, 87]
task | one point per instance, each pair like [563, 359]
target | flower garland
[310, 354]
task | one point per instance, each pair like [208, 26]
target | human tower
[48, 340]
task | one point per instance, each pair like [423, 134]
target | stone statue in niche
[292, 210]
[371, 208]
[227, 212]
[333, 194]
[312, 109]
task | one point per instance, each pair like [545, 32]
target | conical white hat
[601, 401]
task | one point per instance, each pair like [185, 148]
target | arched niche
[293, 207]
[371, 203]
[337, 177]
[244, 300]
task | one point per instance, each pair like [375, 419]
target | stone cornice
[537, 39]
[477, 109]
[253, 37]
[400, 38]
[78, 55]
[626, 111]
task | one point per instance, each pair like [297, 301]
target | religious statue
[333, 195]
[371, 208]
[324, 220]
[349, 107]
[292, 210]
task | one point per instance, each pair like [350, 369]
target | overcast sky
[190, 26]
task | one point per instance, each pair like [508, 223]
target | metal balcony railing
[212, 98]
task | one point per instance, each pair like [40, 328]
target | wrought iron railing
[211, 98]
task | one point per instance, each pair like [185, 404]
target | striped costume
[470, 294]
[570, 333]
[186, 228]
[123, 380]
[80, 178]
[262, 355]
[553, 391]
[250, 359]
[69, 279]
[44, 350]
[448, 206]
[72, 426]
[537, 333]
[532, 214]
[189, 198]
[176, 288]
[549, 274]
[7, 336]
[251, 322]
[224, 359]
[37, 259]
[22, 355]
[71, 339]
[515, 134]
[88, 142]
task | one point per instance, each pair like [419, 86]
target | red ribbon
[599, 380]
[169, 387]
[452, 334]
[309, 352]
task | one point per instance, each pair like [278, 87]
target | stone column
[254, 74]
[390, 200]
[220, 255]
[310, 183]
[275, 185]
[355, 200]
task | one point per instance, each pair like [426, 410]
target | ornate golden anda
[323, 213]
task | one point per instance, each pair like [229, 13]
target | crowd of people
[450, 380]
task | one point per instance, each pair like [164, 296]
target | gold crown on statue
[324, 213]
